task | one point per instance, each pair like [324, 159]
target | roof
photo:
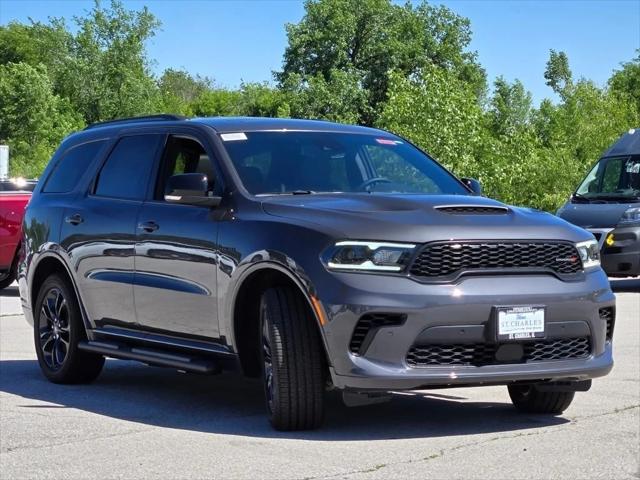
[627, 144]
[235, 124]
[249, 124]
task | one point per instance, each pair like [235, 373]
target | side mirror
[473, 185]
[190, 189]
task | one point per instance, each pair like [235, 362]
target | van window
[126, 172]
[613, 177]
[71, 167]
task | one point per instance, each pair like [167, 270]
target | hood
[594, 215]
[421, 218]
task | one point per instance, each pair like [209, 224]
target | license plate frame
[517, 323]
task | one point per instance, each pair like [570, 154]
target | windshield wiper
[291, 192]
[580, 198]
[301, 192]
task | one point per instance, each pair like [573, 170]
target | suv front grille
[367, 327]
[447, 259]
[608, 315]
[481, 354]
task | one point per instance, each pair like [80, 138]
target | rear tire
[8, 280]
[58, 328]
[528, 399]
[10, 276]
[292, 360]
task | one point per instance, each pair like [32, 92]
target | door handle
[74, 219]
[148, 226]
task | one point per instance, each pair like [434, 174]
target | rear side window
[71, 167]
[126, 172]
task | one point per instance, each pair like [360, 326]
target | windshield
[272, 163]
[614, 177]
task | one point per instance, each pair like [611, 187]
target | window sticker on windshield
[388, 141]
[633, 167]
[232, 137]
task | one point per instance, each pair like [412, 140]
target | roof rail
[145, 118]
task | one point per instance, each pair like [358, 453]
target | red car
[14, 197]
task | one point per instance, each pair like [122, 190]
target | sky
[238, 40]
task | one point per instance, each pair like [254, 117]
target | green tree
[366, 40]
[108, 75]
[262, 100]
[101, 68]
[510, 107]
[439, 112]
[625, 83]
[216, 102]
[558, 73]
[33, 120]
[338, 98]
[179, 89]
[37, 44]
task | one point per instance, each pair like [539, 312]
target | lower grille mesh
[608, 315]
[559, 349]
[481, 354]
[366, 328]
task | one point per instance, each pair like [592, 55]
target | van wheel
[58, 328]
[292, 361]
[528, 399]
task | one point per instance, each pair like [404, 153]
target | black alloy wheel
[53, 326]
[267, 362]
[58, 330]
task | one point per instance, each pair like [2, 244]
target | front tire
[58, 328]
[528, 399]
[292, 358]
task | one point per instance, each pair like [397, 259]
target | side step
[153, 357]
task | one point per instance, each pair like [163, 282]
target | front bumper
[622, 258]
[468, 304]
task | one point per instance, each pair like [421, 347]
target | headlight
[632, 215]
[589, 253]
[369, 256]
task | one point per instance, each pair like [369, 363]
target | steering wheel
[373, 180]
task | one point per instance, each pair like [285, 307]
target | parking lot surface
[142, 422]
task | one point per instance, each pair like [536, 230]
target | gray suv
[312, 255]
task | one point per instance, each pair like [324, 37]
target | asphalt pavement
[142, 422]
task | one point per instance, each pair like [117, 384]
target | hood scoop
[473, 210]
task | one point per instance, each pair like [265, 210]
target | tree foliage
[625, 83]
[403, 67]
[558, 73]
[108, 75]
[421, 109]
[510, 107]
[179, 89]
[33, 118]
[367, 40]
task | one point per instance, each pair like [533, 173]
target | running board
[153, 357]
